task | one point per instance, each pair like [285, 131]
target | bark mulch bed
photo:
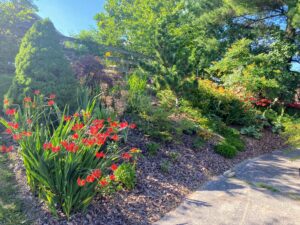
[158, 190]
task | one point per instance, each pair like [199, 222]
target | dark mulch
[158, 191]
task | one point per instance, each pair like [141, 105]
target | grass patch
[10, 205]
[266, 186]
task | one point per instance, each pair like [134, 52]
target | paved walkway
[264, 190]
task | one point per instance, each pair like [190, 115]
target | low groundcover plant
[68, 158]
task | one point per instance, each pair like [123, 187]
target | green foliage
[5, 82]
[137, 99]
[292, 131]
[213, 99]
[126, 175]
[198, 144]
[226, 149]
[41, 65]
[152, 148]
[16, 17]
[251, 131]
[260, 74]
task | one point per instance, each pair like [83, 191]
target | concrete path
[264, 190]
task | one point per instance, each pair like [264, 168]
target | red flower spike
[75, 136]
[103, 182]
[26, 133]
[90, 179]
[112, 177]
[76, 115]
[114, 167]
[132, 126]
[10, 112]
[52, 96]
[55, 149]
[123, 125]
[115, 137]
[126, 156]
[80, 182]
[67, 118]
[94, 130]
[51, 103]
[77, 126]
[100, 155]
[27, 99]
[96, 173]
[17, 137]
[8, 131]
[37, 92]
[47, 146]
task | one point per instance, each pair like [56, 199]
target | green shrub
[213, 99]
[41, 65]
[198, 143]
[126, 175]
[226, 149]
[251, 131]
[67, 158]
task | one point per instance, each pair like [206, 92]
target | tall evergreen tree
[41, 65]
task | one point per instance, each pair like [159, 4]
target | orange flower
[90, 179]
[103, 182]
[51, 103]
[80, 182]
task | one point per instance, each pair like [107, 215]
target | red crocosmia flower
[72, 147]
[103, 182]
[114, 167]
[87, 114]
[88, 141]
[37, 92]
[64, 144]
[100, 155]
[96, 173]
[29, 121]
[132, 126]
[123, 125]
[5, 101]
[115, 137]
[10, 112]
[47, 146]
[90, 179]
[27, 99]
[109, 131]
[27, 133]
[67, 118]
[51, 103]
[113, 124]
[112, 177]
[55, 149]
[52, 96]
[13, 125]
[109, 119]
[126, 156]
[98, 123]
[17, 137]
[76, 115]
[80, 182]
[8, 131]
[75, 136]
[94, 130]
[10, 148]
[77, 126]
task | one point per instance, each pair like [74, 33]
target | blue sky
[70, 16]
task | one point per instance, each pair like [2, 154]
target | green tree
[41, 65]
[16, 17]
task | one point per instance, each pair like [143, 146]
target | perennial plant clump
[68, 158]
